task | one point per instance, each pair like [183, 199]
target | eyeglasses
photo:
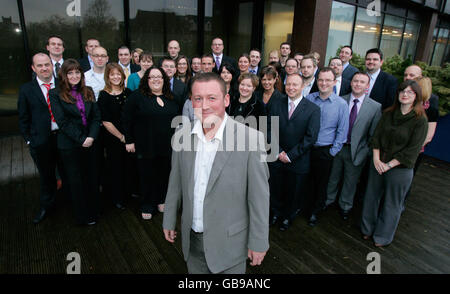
[168, 66]
[407, 92]
[155, 77]
[99, 56]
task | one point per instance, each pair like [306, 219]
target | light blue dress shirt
[334, 117]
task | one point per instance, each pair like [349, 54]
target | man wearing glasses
[217, 52]
[95, 76]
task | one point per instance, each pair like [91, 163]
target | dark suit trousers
[153, 180]
[80, 166]
[287, 192]
[321, 162]
[121, 170]
[46, 159]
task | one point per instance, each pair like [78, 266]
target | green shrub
[396, 65]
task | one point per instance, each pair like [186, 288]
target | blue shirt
[334, 117]
[133, 81]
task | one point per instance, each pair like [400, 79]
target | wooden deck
[122, 242]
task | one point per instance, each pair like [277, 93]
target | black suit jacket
[296, 135]
[34, 117]
[349, 71]
[345, 87]
[72, 133]
[229, 60]
[135, 67]
[180, 92]
[384, 90]
[314, 87]
[84, 62]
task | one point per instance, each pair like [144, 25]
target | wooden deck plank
[5, 160]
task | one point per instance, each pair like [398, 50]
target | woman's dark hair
[65, 87]
[277, 66]
[268, 71]
[145, 55]
[144, 88]
[417, 104]
[232, 70]
[188, 71]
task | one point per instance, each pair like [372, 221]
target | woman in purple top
[78, 118]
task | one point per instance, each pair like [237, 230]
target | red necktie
[48, 86]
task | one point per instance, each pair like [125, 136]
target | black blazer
[180, 92]
[253, 108]
[135, 67]
[349, 71]
[72, 133]
[296, 135]
[84, 62]
[346, 88]
[229, 60]
[384, 90]
[276, 95]
[34, 117]
[314, 87]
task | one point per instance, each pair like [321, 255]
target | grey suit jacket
[363, 128]
[236, 204]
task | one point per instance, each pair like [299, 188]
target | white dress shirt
[220, 58]
[95, 80]
[61, 61]
[338, 84]
[204, 159]
[54, 125]
[358, 106]
[307, 88]
[373, 78]
[296, 102]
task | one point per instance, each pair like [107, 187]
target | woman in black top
[268, 94]
[147, 121]
[111, 101]
[183, 69]
[230, 76]
[78, 118]
[247, 104]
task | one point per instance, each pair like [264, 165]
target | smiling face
[294, 86]
[255, 58]
[146, 63]
[412, 72]
[91, 45]
[55, 47]
[74, 77]
[124, 56]
[407, 96]
[243, 64]
[345, 54]
[209, 101]
[100, 57]
[336, 65]
[226, 75]
[196, 64]
[360, 83]
[246, 88]
[207, 64]
[182, 66]
[325, 82]
[291, 67]
[156, 81]
[115, 77]
[169, 67]
[373, 62]
[43, 67]
[268, 82]
[217, 46]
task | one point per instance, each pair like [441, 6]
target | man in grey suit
[364, 116]
[224, 191]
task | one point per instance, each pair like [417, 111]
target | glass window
[391, 36]
[103, 20]
[215, 11]
[367, 31]
[154, 23]
[13, 69]
[241, 30]
[410, 37]
[440, 47]
[434, 43]
[47, 17]
[340, 32]
[278, 21]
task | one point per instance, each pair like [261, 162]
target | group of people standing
[98, 123]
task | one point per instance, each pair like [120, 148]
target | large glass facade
[410, 37]
[241, 29]
[215, 25]
[341, 26]
[391, 36]
[440, 47]
[278, 21]
[154, 23]
[367, 31]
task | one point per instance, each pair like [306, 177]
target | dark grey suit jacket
[349, 71]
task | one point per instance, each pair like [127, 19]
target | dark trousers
[153, 180]
[80, 166]
[121, 169]
[287, 192]
[46, 159]
[321, 163]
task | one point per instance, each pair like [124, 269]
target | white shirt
[358, 106]
[61, 61]
[95, 80]
[338, 84]
[220, 58]
[91, 62]
[373, 78]
[204, 159]
[54, 125]
[307, 88]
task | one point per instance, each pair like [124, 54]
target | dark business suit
[84, 62]
[180, 92]
[345, 87]
[384, 90]
[135, 67]
[79, 162]
[349, 71]
[296, 137]
[226, 59]
[35, 127]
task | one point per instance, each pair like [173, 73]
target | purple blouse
[80, 104]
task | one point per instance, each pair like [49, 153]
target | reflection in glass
[340, 32]
[214, 24]
[154, 23]
[439, 50]
[278, 21]
[410, 37]
[391, 36]
[241, 30]
[13, 71]
[367, 31]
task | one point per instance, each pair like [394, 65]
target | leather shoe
[285, 225]
[120, 206]
[345, 214]
[312, 220]
[40, 216]
[273, 220]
